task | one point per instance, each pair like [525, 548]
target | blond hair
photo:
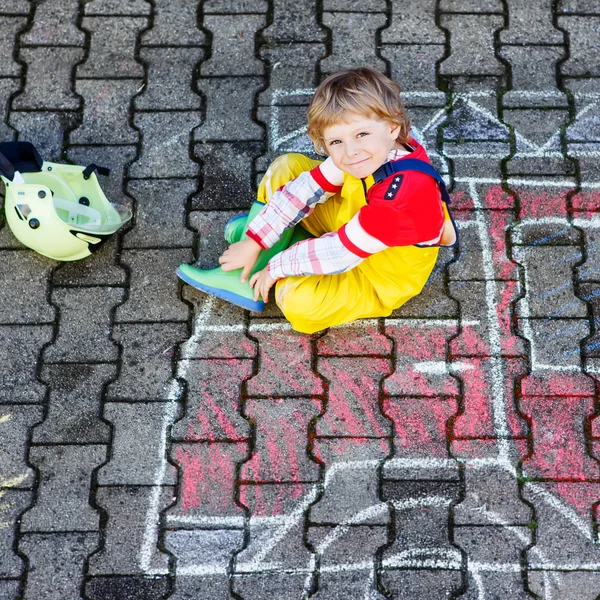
[360, 91]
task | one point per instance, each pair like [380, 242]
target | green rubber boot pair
[226, 284]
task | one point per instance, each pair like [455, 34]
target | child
[362, 238]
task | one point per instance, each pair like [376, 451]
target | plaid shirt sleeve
[294, 201]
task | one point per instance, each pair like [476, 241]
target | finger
[245, 272]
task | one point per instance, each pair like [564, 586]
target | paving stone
[488, 408]
[232, 45]
[8, 86]
[540, 206]
[153, 288]
[213, 401]
[235, 6]
[56, 563]
[116, 7]
[491, 497]
[419, 436]
[20, 347]
[126, 550]
[266, 586]
[170, 72]
[413, 24]
[55, 24]
[563, 584]
[420, 367]
[10, 589]
[537, 128]
[15, 423]
[49, 93]
[210, 226]
[46, 128]
[74, 405]
[65, 471]
[351, 33]
[165, 155]
[277, 503]
[583, 58]
[549, 166]
[141, 587]
[359, 338]
[160, 215]
[292, 75]
[136, 460]
[350, 487]
[112, 47]
[146, 368]
[353, 402]
[206, 481]
[586, 201]
[530, 23]
[559, 439]
[492, 547]
[488, 334]
[549, 281]
[294, 21]
[471, 6]
[586, 126]
[533, 76]
[9, 29]
[285, 367]
[280, 440]
[356, 6]
[561, 383]
[477, 197]
[175, 23]
[227, 183]
[12, 504]
[79, 339]
[577, 6]
[482, 246]
[17, 7]
[341, 549]
[229, 109]
[431, 583]
[470, 31]
[470, 121]
[591, 293]
[105, 116]
[590, 270]
[27, 273]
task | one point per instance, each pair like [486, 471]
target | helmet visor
[110, 217]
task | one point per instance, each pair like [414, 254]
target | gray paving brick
[360, 338]
[8, 86]
[489, 333]
[566, 584]
[17, 7]
[353, 398]
[19, 351]
[266, 586]
[125, 546]
[160, 213]
[577, 6]
[165, 145]
[493, 546]
[590, 292]
[467, 32]
[340, 549]
[354, 6]
[56, 563]
[12, 504]
[583, 45]
[116, 7]
[65, 471]
[229, 109]
[471, 6]
[105, 116]
[204, 468]
[15, 423]
[533, 76]
[75, 395]
[549, 281]
[10, 589]
[169, 80]
[350, 488]
[353, 40]
[112, 47]
[536, 234]
[413, 24]
[294, 21]
[431, 583]
[153, 289]
[9, 28]
[227, 180]
[551, 167]
[196, 587]
[210, 226]
[467, 121]
[139, 587]
[233, 46]
[175, 23]
[136, 460]
[586, 127]
[530, 23]
[55, 23]
[538, 127]
[213, 401]
[235, 6]
[49, 93]
[292, 76]
[286, 366]
[84, 340]
[146, 372]
[46, 128]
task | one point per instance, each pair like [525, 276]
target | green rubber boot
[226, 284]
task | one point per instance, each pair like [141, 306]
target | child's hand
[241, 255]
[262, 282]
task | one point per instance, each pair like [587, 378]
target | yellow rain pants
[374, 288]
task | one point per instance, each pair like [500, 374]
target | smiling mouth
[360, 162]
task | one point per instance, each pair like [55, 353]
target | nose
[352, 148]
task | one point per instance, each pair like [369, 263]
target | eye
[333, 142]
[362, 134]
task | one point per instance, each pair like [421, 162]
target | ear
[394, 130]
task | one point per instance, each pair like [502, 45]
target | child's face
[360, 145]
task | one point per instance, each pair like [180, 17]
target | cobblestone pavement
[157, 443]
